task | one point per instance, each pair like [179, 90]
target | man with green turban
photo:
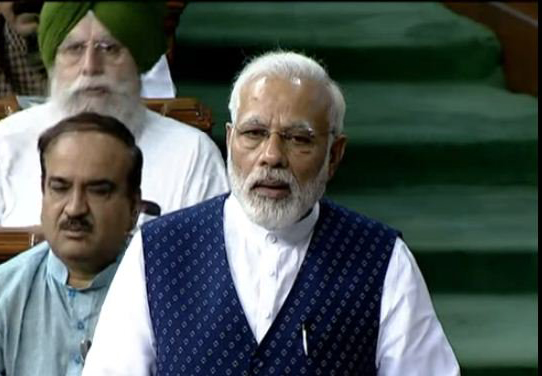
[94, 54]
[138, 26]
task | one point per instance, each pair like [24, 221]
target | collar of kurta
[59, 272]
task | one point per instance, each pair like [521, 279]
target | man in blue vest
[272, 279]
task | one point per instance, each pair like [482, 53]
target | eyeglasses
[298, 138]
[72, 53]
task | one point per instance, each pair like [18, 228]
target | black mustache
[76, 224]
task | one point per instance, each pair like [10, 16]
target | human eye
[109, 48]
[58, 186]
[74, 48]
[300, 138]
[254, 133]
[101, 189]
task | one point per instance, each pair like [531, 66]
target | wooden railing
[516, 26]
[186, 109]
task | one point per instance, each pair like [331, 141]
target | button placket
[267, 288]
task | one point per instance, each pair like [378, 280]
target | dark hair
[93, 122]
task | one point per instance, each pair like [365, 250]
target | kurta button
[80, 325]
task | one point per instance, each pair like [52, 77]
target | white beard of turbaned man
[121, 100]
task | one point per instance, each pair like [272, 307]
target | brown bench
[14, 240]
[187, 110]
[184, 109]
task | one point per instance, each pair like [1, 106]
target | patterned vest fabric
[199, 323]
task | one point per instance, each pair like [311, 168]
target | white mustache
[267, 174]
[83, 83]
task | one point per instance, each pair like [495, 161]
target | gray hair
[290, 65]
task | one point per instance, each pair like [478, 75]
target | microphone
[84, 346]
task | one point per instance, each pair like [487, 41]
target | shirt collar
[293, 234]
[59, 272]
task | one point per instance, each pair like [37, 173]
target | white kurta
[264, 265]
[181, 165]
[157, 82]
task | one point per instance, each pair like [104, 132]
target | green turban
[139, 26]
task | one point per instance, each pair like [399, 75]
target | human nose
[77, 204]
[92, 62]
[274, 151]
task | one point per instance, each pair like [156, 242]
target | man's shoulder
[24, 262]
[157, 123]
[208, 210]
[21, 268]
[175, 139]
[21, 121]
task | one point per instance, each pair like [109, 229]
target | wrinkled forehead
[262, 80]
[293, 96]
[90, 153]
[296, 86]
[87, 143]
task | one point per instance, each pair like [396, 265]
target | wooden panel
[187, 110]
[8, 105]
[529, 8]
[14, 240]
[517, 31]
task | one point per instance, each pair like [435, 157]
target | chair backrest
[186, 109]
[14, 240]
[8, 105]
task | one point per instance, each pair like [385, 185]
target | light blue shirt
[42, 319]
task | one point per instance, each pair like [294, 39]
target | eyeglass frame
[101, 46]
[284, 134]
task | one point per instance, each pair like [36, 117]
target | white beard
[270, 213]
[121, 102]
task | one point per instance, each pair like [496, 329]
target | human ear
[336, 154]
[229, 130]
[136, 206]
